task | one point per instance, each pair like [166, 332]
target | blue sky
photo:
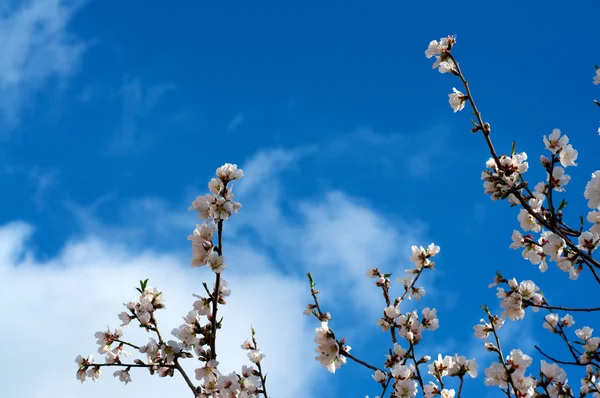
[114, 116]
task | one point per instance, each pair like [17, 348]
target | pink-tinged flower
[597, 77]
[555, 142]
[588, 241]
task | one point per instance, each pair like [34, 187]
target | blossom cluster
[213, 208]
[502, 177]
[330, 351]
[441, 51]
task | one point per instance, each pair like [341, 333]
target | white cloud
[138, 102]
[234, 123]
[55, 307]
[36, 48]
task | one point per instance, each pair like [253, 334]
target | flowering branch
[195, 338]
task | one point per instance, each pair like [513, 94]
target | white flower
[442, 61]
[551, 322]
[517, 240]
[460, 366]
[592, 191]
[559, 179]
[216, 186]
[554, 246]
[379, 376]
[430, 320]
[229, 384]
[208, 372]
[553, 372]
[202, 205]
[519, 360]
[597, 77]
[406, 388]
[528, 222]
[555, 142]
[81, 375]
[255, 356]
[594, 218]
[123, 375]
[94, 373]
[433, 49]
[447, 393]
[216, 262]
[592, 344]
[568, 156]
[81, 361]
[567, 321]
[584, 333]
[588, 241]
[391, 312]
[431, 390]
[457, 100]
[125, 318]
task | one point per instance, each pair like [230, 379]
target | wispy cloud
[43, 180]
[333, 234]
[415, 154]
[138, 103]
[36, 179]
[130, 221]
[236, 122]
[37, 47]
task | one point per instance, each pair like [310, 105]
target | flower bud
[424, 359]
[491, 347]
[545, 161]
